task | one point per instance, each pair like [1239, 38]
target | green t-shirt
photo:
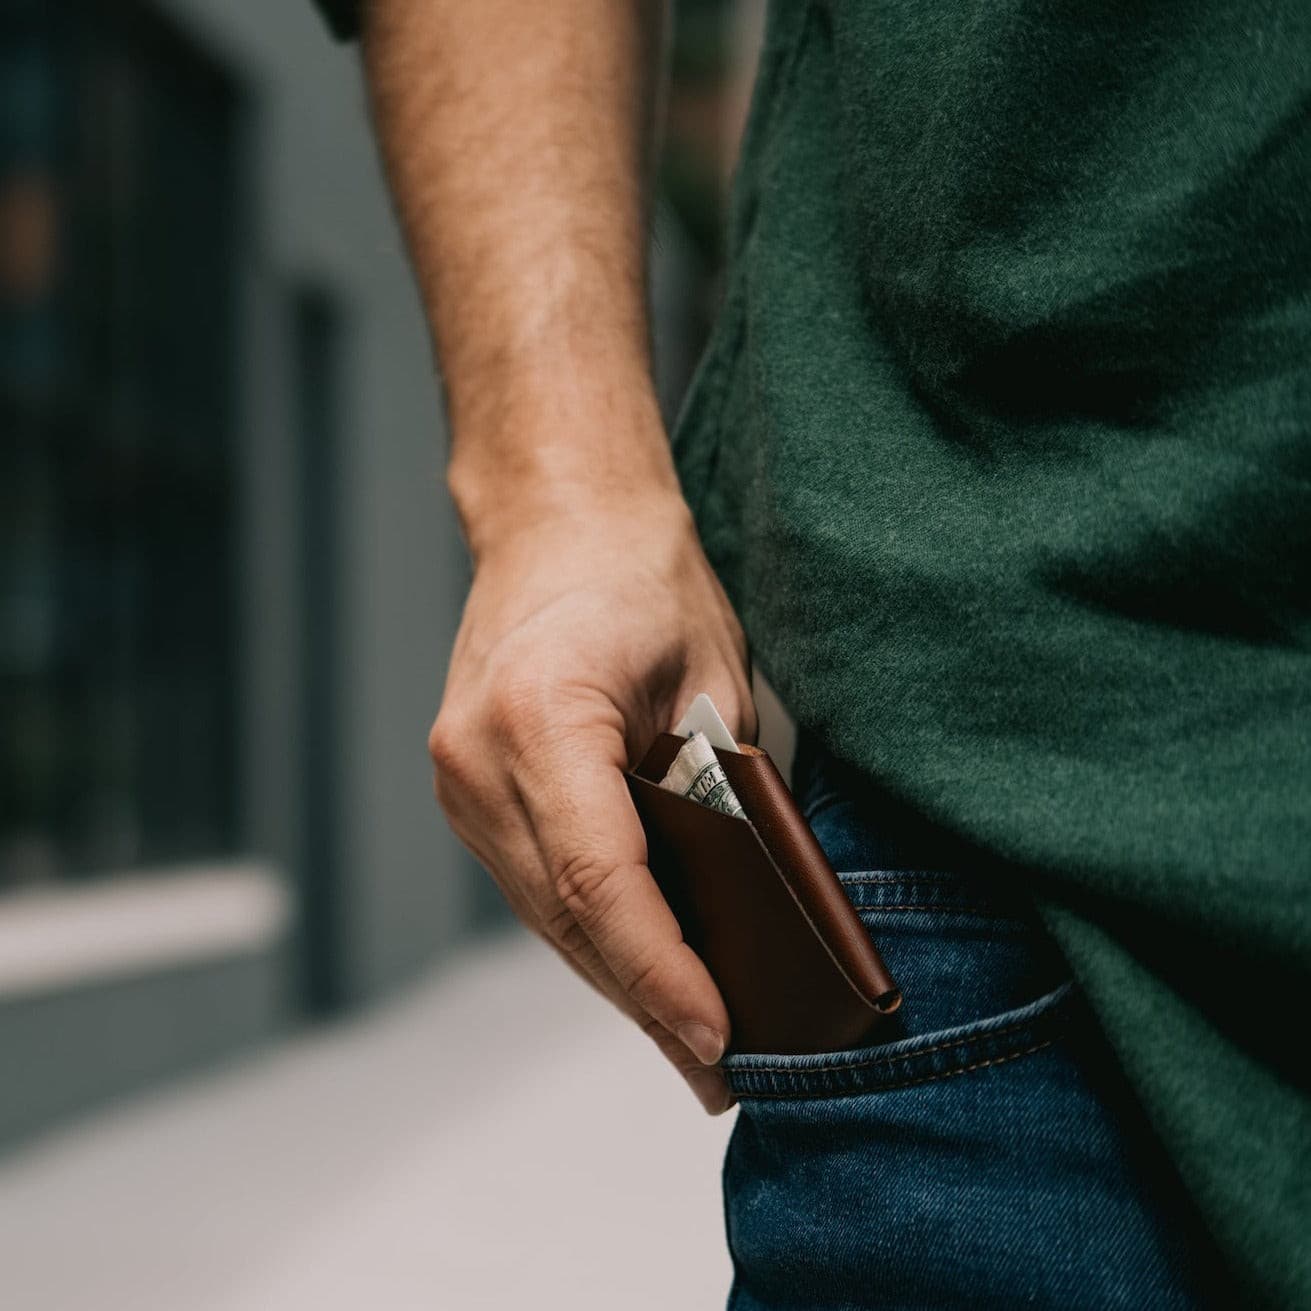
[1001, 448]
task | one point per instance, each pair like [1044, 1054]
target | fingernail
[707, 1046]
[711, 1090]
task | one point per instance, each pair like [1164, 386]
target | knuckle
[563, 931]
[519, 703]
[448, 751]
[443, 743]
[644, 988]
[585, 885]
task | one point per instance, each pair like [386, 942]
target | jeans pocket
[980, 980]
[889, 1169]
[904, 1062]
[974, 1166]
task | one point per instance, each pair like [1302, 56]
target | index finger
[592, 844]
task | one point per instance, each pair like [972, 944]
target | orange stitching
[907, 1083]
[900, 1056]
[901, 876]
[958, 910]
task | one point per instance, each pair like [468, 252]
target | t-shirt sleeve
[343, 17]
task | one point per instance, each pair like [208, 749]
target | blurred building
[229, 574]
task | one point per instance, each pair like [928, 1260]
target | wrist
[572, 503]
[570, 451]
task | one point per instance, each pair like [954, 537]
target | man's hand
[519, 140]
[585, 634]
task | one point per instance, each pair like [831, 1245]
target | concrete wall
[323, 219]
[402, 890]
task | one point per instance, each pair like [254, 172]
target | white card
[702, 717]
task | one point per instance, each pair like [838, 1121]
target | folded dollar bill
[697, 774]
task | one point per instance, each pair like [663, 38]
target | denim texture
[983, 1153]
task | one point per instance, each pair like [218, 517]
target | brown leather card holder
[759, 902]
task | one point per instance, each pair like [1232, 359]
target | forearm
[517, 137]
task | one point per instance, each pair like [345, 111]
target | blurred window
[120, 166]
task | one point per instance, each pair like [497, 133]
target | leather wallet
[759, 902]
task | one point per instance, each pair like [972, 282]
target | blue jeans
[984, 1153]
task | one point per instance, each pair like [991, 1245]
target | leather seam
[892, 1087]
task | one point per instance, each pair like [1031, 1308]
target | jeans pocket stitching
[959, 1041]
[899, 876]
[901, 1063]
[947, 908]
[906, 1083]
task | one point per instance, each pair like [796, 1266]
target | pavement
[496, 1137]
